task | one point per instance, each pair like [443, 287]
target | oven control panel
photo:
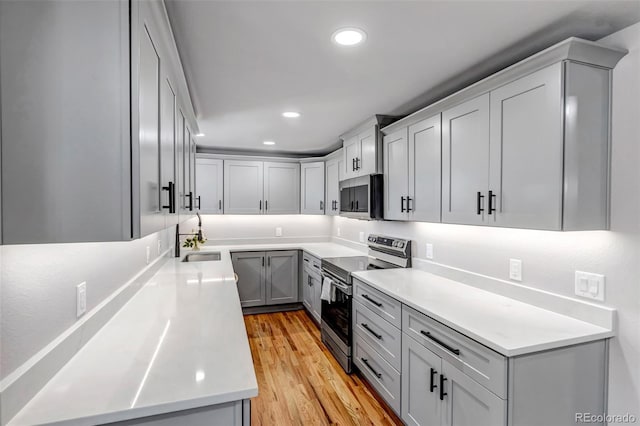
[396, 244]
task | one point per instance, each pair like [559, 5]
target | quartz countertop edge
[505, 325]
[172, 328]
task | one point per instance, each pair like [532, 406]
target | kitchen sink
[210, 256]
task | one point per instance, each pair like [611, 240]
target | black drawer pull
[442, 392]
[366, 327]
[440, 342]
[432, 385]
[378, 304]
[366, 362]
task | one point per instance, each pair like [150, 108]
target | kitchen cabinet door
[465, 160]
[282, 277]
[182, 166]
[188, 188]
[468, 403]
[192, 175]
[332, 188]
[281, 188]
[250, 268]
[168, 151]
[526, 164]
[367, 162]
[425, 167]
[312, 194]
[351, 149]
[316, 302]
[307, 290]
[396, 179]
[243, 187]
[421, 405]
[151, 215]
[209, 179]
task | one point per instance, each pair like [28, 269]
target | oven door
[337, 314]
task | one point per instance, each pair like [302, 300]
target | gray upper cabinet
[351, 148]
[362, 147]
[282, 277]
[312, 188]
[281, 188]
[465, 162]
[250, 269]
[396, 181]
[243, 187]
[209, 178]
[527, 147]
[332, 187]
[95, 169]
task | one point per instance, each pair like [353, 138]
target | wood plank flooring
[299, 381]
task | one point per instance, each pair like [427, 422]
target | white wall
[38, 288]
[551, 258]
[241, 229]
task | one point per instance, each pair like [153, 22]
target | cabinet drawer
[382, 376]
[482, 364]
[310, 263]
[385, 306]
[381, 335]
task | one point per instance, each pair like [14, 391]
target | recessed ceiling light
[269, 142]
[199, 135]
[291, 114]
[349, 36]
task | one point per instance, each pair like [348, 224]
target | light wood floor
[300, 383]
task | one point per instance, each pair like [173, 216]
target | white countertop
[179, 343]
[505, 325]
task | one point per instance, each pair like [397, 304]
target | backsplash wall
[550, 259]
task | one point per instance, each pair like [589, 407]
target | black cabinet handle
[357, 203]
[491, 197]
[172, 198]
[357, 163]
[321, 205]
[401, 204]
[352, 206]
[269, 261]
[263, 261]
[190, 195]
[409, 199]
[440, 342]
[366, 296]
[266, 205]
[366, 362]
[219, 204]
[306, 260]
[432, 385]
[442, 392]
[376, 335]
[199, 202]
[260, 205]
[479, 200]
[353, 164]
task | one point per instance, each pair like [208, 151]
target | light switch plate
[81, 299]
[278, 231]
[515, 269]
[590, 285]
[362, 237]
[429, 251]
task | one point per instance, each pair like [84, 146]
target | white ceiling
[248, 61]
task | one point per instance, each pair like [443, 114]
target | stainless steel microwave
[361, 198]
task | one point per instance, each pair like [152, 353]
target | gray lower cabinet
[266, 278]
[237, 413]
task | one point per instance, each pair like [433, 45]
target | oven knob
[401, 245]
[395, 244]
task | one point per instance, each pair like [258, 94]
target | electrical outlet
[159, 247]
[362, 237]
[339, 232]
[81, 299]
[429, 251]
[515, 269]
[590, 285]
[148, 254]
[278, 231]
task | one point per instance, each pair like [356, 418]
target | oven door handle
[346, 289]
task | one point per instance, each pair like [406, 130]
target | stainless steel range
[336, 332]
